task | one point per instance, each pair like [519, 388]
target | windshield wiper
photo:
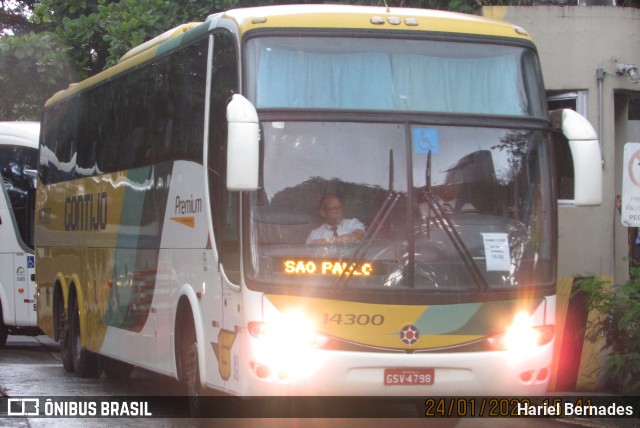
[372, 231]
[449, 228]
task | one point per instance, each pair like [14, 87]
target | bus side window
[224, 204]
[64, 144]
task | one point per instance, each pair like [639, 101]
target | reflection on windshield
[339, 208]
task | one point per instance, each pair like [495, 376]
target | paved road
[31, 367]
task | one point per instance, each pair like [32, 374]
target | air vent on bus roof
[596, 2]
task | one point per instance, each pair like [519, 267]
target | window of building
[634, 108]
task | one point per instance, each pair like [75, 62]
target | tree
[64, 41]
[13, 20]
[32, 68]
[100, 31]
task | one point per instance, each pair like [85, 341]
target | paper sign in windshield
[496, 249]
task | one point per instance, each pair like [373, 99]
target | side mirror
[243, 145]
[587, 158]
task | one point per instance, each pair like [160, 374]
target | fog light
[526, 376]
[263, 372]
[543, 375]
[283, 375]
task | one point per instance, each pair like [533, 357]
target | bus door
[17, 207]
[24, 272]
[17, 276]
[228, 357]
[232, 303]
[24, 289]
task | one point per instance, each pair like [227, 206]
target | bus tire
[4, 331]
[66, 355]
[62, 333]
[85, 363]
[116, 370]
[190, 369]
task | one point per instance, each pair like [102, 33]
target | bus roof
[20, 133]
[318, 16]
[370, 17]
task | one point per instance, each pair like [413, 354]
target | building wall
[573, 43]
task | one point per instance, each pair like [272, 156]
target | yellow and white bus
[177, 191]
[18, 167]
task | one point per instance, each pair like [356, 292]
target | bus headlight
[284, 347]
[286, 337]
[521, 337]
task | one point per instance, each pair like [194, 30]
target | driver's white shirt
[345, 227]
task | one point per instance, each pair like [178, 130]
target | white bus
[178, 189]
[18, 165]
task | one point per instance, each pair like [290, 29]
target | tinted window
[154, 113]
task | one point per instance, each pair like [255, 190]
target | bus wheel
[190, 370]
[116, 370]
[66, 355]
[85, 363]
[65, 340]
[4, 331]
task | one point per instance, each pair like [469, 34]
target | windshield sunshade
[401, 75]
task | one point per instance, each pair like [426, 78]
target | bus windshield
[394, 74]
[473, 212]
[446, 204]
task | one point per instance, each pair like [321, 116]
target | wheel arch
[188, 310]
[4, 305]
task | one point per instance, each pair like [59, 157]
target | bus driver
[336, 229]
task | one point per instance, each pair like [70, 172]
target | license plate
[407, 376]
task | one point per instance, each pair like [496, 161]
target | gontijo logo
[86, 212]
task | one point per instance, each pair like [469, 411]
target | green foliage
[101, 32]
[75, 39]
[13, 19]
[619, 325]
[32, 68]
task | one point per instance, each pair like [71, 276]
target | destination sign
[295, 266]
